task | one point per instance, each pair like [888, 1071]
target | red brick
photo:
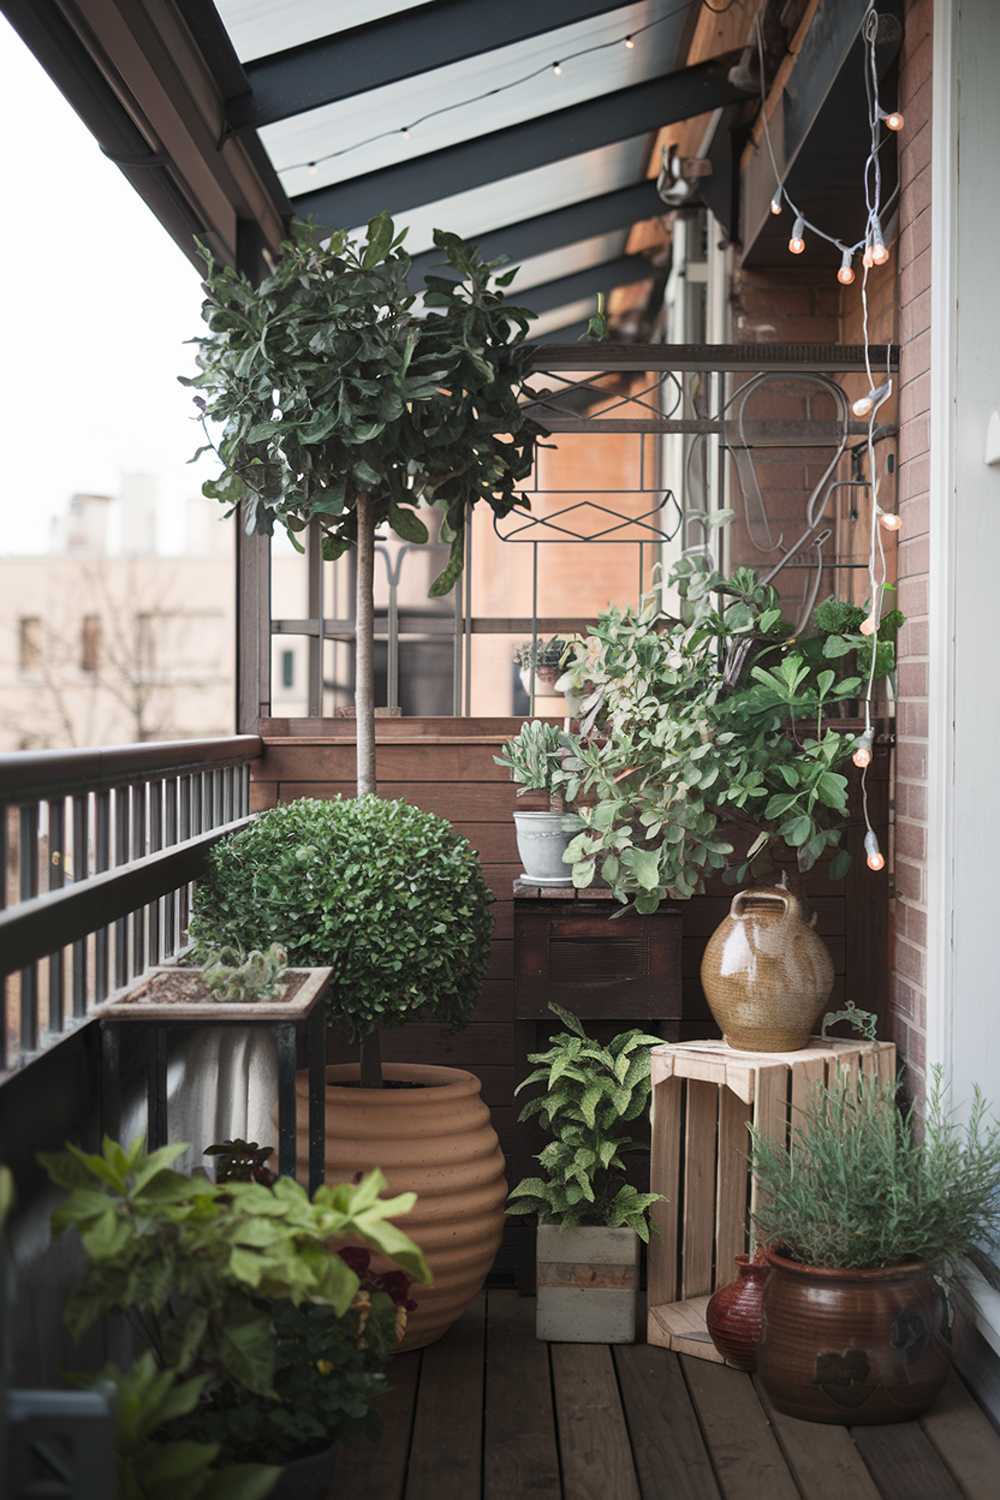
[914, 556]
[915, 515]
[909, 879]
[910, 961]
[917, 61]
[915, 358]
[912, 597]
[915, 198]
[911, 800]
[911, 760]
[914, 475]
[911, 839]
[915, 149]
[901, 998]
[914, 239]
[913, 679]
[915, 278]
[913, 640]
[915, 436]
[912, 719]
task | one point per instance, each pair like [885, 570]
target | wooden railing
[98, 849]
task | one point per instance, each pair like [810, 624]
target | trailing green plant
[197, 1268]
[235, 978]
[590, 1093]
[154, 1466]
[867, 1184]
[719, 717]
[550, 653]
[534, 758]
[242, 1161]
[339, 401]
[386, 894]
[863, 1022]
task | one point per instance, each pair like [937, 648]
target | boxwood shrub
[388, 895]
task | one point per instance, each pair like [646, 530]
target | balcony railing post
[155, 908]
[138, 850]
[27, 855]
[122, 821]
[57, 877]
[102, 861]
[81, 865]
[171, 789]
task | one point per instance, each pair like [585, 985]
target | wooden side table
[303, 1017]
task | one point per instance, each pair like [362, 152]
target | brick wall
[908, 997]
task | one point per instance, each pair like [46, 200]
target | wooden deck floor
[491, 1414]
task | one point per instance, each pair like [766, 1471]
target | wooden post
[364, 650]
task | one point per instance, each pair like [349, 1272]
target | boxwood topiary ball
[388, 895]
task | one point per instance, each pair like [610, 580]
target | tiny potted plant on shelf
[261, 1344]
[865, 1219]
[395, 902]
[534, 759]
[539, 665]
[590, 1217]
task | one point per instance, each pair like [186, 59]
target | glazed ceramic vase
[434, 1139]
[734, 1313]
[541, 842]
[766, 973]
[853, 1347]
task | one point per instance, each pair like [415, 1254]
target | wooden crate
[705, 1095]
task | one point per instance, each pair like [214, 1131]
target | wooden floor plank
[669, 1451]
[593, 1439]
[446, 1451]
[966, 1439]
[376, 1470]
[748, 1462]
[520, 1452]
[823, 1459]
[904, 1464]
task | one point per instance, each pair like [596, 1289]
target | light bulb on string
[866, 260]
[875, 859]
[863, 750]
[865, 404]
[797, 242]
[776, 204]
[630, 43]
[880, 253]
[869, 626]
[891, 119]
[406, 132]
[557, 69]
[311, 168]
[890, 521]
[846, 273]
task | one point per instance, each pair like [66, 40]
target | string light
[862, 756]
[406, 132]
[892, 120]
[312, 169]
[876, 859]
[797, 242]
[557, 69]
[870, 625]
[879, 252]
[866, 404]
[630, 43]
[776, 204]
[890, 520]
[846, 273]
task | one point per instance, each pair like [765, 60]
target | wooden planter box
[704, 1097]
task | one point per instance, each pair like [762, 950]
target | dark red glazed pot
[734, 1314]
[853, 1347]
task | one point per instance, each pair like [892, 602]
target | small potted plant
[539, 665]
[590, 1217]
[395, 902]
[253, 1330]
[863, 1218]
[534, 759]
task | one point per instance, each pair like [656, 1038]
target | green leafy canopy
[327, 381]
[715, 719]
[387, 894]
[590, 1092]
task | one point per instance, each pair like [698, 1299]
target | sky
[97, 301]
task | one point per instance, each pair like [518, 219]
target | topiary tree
[340, 402]
[386, 894]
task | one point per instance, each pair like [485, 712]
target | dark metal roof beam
[398, 47]
[624, 271]
[520, 148]
[565, 226]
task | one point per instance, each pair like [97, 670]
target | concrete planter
[588, 1285]
[541, 843]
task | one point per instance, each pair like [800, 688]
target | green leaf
[407, 525]
[797, 831]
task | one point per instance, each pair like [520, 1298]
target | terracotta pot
[435, 1140]
[853, 1347]
[766, 974]
[734, 1314]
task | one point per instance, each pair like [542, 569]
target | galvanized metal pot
[588, 1284]
[766, 973]
[541, 843]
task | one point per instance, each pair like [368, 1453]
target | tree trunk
[364, 645]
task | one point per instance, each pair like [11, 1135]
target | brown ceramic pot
[766, 974]
[852, 1347]
[733, 1314]
[435, 1140]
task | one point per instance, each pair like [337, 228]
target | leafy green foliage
[590, 1092]
[327, 383]
[715, 718]
[386, 894]
[540, 653]
[866, 1185]
[199, 1267]
[864, 1022]
[147, 1400]
[232, 977]
[533, 757]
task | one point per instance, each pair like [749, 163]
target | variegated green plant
[591, 1091]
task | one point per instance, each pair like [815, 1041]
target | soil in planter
[187, 988]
